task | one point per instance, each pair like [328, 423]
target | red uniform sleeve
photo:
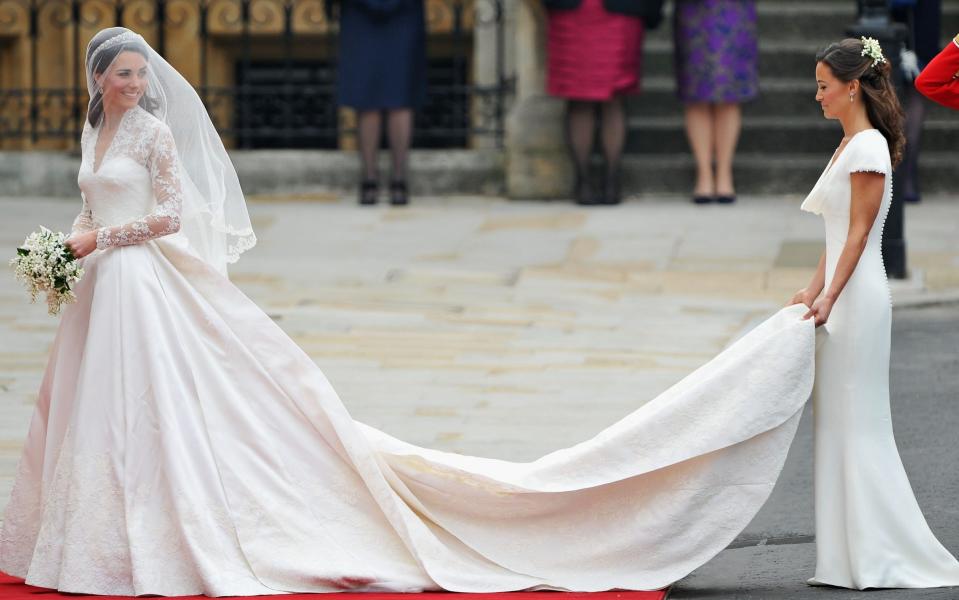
[939, 81]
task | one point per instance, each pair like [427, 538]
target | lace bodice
[134, 194]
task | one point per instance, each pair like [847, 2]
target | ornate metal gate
[266, 69]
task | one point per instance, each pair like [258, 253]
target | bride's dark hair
[104, 59]
[846, 61]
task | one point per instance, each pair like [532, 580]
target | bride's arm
[867, 190]
[83, 235]
[84, 221]
[165, 218]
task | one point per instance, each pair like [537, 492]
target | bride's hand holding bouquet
[47, 263]
[82, 244]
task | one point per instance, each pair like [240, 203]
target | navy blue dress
[382, 55]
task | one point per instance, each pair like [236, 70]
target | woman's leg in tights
[399, 129]
[369, 126]
[612, 137]
[580, 126]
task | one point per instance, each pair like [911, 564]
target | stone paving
[484, 326]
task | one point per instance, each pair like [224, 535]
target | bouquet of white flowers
[45, 264]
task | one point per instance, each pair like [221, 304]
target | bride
[182, 444]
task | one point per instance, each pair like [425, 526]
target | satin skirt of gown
[183, 444]
[870, 531]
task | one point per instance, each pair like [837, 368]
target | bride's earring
[852, 97]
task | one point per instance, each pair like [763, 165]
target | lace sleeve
[165, 218]
[84, 221]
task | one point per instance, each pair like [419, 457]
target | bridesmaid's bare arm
[808, 294]
[867, 190]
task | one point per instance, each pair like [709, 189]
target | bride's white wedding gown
[183, 444]
[870, 532]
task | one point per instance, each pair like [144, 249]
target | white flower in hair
[872, 49]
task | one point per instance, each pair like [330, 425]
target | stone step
[790, 58]
[778, 59]
[283, 172]
[773, 135]
[785, 140]
[815, 21]
[763, 174]
[315, 175]
[777, 97]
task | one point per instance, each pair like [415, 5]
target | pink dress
[593, 54]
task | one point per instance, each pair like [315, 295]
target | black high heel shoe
[398, 193]
[584, 193]
[369, 192]
[612, 190]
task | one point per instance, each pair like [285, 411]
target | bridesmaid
[594, 58]
[939, 81]
[870, 530]
[382, 70]
[717, 69]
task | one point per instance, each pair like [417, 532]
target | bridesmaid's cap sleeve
[870, 154]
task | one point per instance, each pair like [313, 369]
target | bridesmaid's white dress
[870, 532]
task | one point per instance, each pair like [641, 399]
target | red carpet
[12, 588]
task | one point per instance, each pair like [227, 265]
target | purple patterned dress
[717, 55]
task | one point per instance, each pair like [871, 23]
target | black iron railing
[266, 69]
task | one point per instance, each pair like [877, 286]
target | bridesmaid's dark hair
[95, 114]
[846, 61]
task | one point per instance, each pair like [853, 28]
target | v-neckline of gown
[97, 165]
[810, 204]
[838, 154]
